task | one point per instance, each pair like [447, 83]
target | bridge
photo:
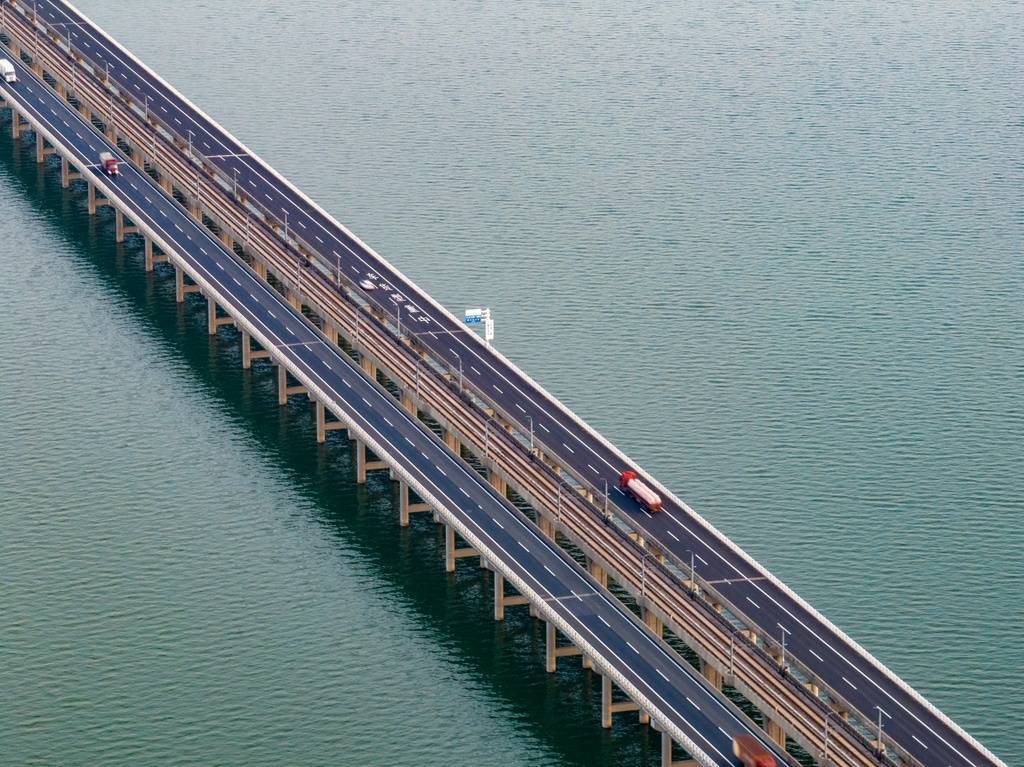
[425, 399]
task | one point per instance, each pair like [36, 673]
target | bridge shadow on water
[561, 710]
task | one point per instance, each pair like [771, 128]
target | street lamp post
[530, 419]
[824, 753]
[881, 748]
[643, 573]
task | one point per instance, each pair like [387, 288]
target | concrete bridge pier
[498, 483]
[323, 425]
[123, 229]
[19, 125]
[667, 758]
[712, 674]
[284, 389]
[774, 730]
[408, 402]
[96, 200]
[42, 150]
[213, 320]
[653, 622]
[609, 706]
[453, 552]
[362, 464]
[451, 441]
[597, 572]
[249, 354]
[554, 652]
[151, 257]
[503, 600]
[406, 506]
[181, 287]
[67, 175]
[368, 367]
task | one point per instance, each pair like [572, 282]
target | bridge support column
[409, 404]
[212, 320]
[502, 600]
[283, 389]
[653, 622]
[368, 367]
[363, 465]
[293, 299]
[323, 425]
[712, 674]
[608, 707]
[554, 652]
[260, 267]
[121, 228]
[666, 754]
[249, 354]
[42, 150]
[66, 174]
[406, 506]
[451, 552]
[597, 572]
[452, 442]
[18, 125]
[331, 332]
[498, 483]
[547, 526]
[165, 183]
[774, 730]
[152, 258]
[182, 288]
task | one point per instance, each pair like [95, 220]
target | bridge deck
[838, 661]
[567, 596]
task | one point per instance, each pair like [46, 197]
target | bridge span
[749, 629]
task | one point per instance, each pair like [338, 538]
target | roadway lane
[615, 633]
[839, 663]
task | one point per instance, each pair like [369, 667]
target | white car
[367, 285]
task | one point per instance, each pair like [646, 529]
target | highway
[838, 661]
[496, 527]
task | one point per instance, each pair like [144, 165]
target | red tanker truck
[646, 497]
[109, 164]
[751, 753]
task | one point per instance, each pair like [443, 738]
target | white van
[8, 71]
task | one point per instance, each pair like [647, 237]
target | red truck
[643, 495]
[751, 753]
[109, 164]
